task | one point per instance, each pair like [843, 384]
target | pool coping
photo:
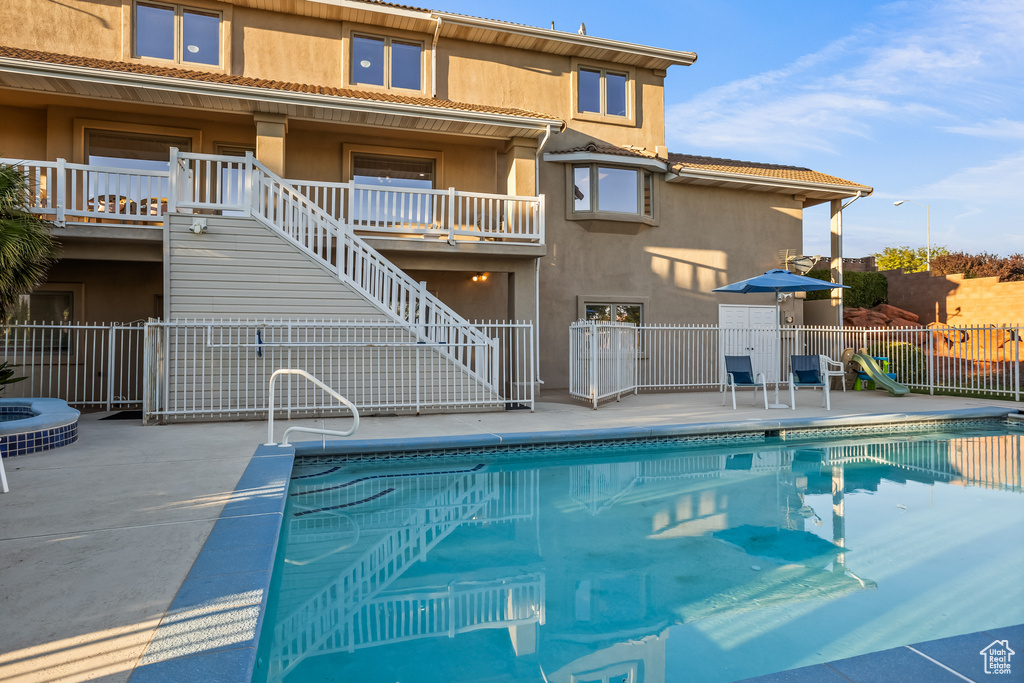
[54, 424]
[223, 598]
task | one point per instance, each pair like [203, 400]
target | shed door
[751, 331]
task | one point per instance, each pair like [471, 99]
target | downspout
[840, 264]
[433, 59]
[536, 263]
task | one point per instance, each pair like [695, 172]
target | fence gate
[89, 366]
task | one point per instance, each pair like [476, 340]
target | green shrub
[906, 360]
[866, 289]
[7, 375]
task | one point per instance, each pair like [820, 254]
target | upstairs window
[602, 92]
[601, 189]
[177, 33]
[387, 62]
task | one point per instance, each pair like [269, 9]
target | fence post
[421, 305]
[247, 199]
[111, 340]
[451, 216]
[1016, 366]
[62, 191]
[931, 363]
[593, 363]
[540, 209]
[172, 182]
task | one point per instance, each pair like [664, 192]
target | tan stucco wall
[90, 28]
[481, 300]
[707, 237]
[114, 291]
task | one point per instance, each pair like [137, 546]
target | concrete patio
[97, 537]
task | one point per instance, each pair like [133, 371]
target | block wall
[953, 300]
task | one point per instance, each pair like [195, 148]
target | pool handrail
[309, 430]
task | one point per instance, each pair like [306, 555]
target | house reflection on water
[584, 569]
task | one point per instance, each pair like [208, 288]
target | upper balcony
[105, 201]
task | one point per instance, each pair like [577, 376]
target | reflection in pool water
[661, 563]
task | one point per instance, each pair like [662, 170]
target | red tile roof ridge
[247, 81]
[753, 168]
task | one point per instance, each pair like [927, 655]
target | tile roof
[594, 148]
[284, 86]
[700, 163]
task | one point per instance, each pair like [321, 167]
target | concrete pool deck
[97, 537]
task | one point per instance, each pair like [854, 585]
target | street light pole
[928, 227]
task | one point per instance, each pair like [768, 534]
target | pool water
[656, 563]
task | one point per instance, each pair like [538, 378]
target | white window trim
[631, 93]
[594, 213]
[388, 40]
[224, 38]
[613, 299]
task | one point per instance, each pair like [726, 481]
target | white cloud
[936, 64]
[1000, 180]
[999, 128]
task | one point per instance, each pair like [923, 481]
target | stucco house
[521, 173]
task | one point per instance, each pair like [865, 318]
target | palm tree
[27, 249]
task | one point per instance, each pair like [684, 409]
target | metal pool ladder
[309, 430]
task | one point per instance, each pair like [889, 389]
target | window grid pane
[200, 37]
[599, 312]
[648, 194]
[581, 188]
[154, 31]
[590, 91]
[368, 60]
[617, 190]
[615, 94]
[406, 63]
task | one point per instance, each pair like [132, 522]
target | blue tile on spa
[819, 673]
[235, 532]
[899, 664]
[251, 558]
[222, 590]
[223, 666]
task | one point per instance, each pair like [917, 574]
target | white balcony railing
[69, 193]
[450, 214]
[83, 193]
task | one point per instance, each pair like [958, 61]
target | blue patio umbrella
[777, 281]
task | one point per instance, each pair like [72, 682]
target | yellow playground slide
[869, 366]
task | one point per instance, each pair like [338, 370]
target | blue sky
[920, 99]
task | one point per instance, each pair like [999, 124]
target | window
[632, 313]
[383, 207]
[177, 33]
[386, 62]
[607, 189]
[602, 92]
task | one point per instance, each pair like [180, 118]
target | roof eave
[663, 57]
[530, 126]
[614, 159]
[781, 185]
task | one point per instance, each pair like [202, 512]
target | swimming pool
[670, 561]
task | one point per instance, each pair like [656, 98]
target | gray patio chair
[809, 372]
[740, 373]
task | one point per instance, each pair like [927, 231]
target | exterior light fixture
[480, 277]
[928, 227]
